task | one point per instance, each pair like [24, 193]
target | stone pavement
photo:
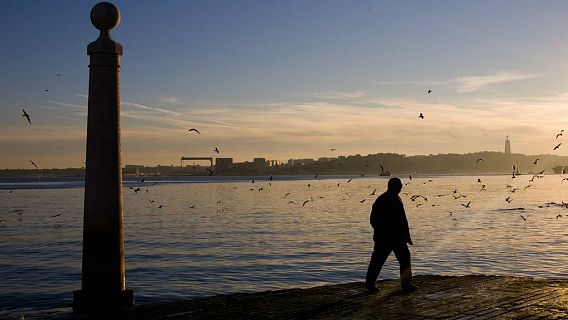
[438, 297]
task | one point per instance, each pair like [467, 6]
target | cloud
[340, 94]
[137, 105]
[70, 105]
[474, 83]
[470, 83]
[173, 100]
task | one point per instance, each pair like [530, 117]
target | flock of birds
[414, 197]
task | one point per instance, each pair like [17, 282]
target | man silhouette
[391, 233]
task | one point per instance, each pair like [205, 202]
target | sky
[289, 79]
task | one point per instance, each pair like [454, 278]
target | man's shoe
[371, 288]
[409, 288]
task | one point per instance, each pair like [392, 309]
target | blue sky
[289, 79]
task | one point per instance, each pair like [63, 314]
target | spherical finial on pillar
[105, 16]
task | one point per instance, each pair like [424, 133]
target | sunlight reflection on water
[235, 239]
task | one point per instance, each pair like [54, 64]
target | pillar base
[86, 302]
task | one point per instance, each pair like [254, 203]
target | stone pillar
[103, 285]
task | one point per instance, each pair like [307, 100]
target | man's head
[394, 185]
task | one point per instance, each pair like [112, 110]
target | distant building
[507, 146]
[326, 159]
[272, 163]
[133, 166]
[259, 163]
[223, 163]
[300, 162]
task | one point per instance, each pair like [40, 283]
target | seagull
[287, 194]
[136, 190]
[410, 177]
[192, 206]
[160, 206]
[482, 188]
[557, 146]
[57, 215]
[316, 176]
[26, 115]
[216, 150]
[290, 202]
[304, 204]
[349, 180]
[478, 160]
[523, 217]
[362, 200]
[508, 199]
[421, 116]
[479, 180]
[151, 201]
[536, 161]
[429, 91]
[465, 205]
[558, 135]
[193, 129]
[530, 185]
[542, 172]
[332, 149]
[372, 194]
[33, 163]
[558, 216]
[210, 171]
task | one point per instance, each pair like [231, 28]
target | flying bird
[192, 206]
[478, 160]
[479, 180]
[465, 205]
[332, 149]
[373, 193]
[536, 161]
[557, 146]
[421, 116]
[160, 206]
[508, 199]
[216, 150]
[304, 204]
[558, 216]
[287, 194]
[482, 188]
[193, 129]
[558, 135]
[362, 200]
[26, 115]
[210, 171]
[33, 163]
[429, 91]
[349, 180]
[523, 217]
[57, 215]
[410, 177]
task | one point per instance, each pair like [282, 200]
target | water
[235, 239]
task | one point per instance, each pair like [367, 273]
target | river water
[227, 235]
